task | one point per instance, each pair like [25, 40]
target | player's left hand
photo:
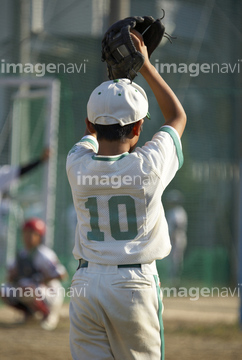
[121, 54]
[140, 45]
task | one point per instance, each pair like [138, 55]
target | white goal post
[47, 89]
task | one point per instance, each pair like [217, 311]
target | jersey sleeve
[7, 175]
[163, 153]
[87, 144]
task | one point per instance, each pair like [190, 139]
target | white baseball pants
[116, 313]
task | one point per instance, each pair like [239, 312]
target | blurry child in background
[33, 284]
[176, 217]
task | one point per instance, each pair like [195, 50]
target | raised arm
[33, 164]
[169, 104]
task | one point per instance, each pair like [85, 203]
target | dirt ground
[203, 329]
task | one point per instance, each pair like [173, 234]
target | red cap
[35, 224]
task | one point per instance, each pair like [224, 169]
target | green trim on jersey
[109, 158]
[160, 317]
[91, 142]
[176, 143]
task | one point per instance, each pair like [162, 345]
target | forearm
[26, 168]
[168, 102]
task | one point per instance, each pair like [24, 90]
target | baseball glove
[118, 50]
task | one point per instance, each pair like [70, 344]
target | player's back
[118, 204]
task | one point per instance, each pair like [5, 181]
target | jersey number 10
[113, 202]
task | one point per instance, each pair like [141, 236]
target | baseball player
[34, 278]
[177, 220]
[116, 307]
[10, 173]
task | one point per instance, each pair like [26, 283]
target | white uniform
[7, 175]
[32, 268]
[120, 221]
[117, 199]
[44, 260]
[177, 222]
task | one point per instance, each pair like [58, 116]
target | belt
[84, 263]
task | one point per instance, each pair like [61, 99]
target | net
[202, 67]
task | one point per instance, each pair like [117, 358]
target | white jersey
[118, 199]
[7, 175]
[44, 260]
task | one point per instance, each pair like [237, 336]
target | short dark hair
[113, 132]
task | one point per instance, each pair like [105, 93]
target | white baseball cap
[117, 102]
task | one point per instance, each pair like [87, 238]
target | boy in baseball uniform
[34, 278]
[116, 304]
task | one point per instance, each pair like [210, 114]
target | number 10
[113, 202]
